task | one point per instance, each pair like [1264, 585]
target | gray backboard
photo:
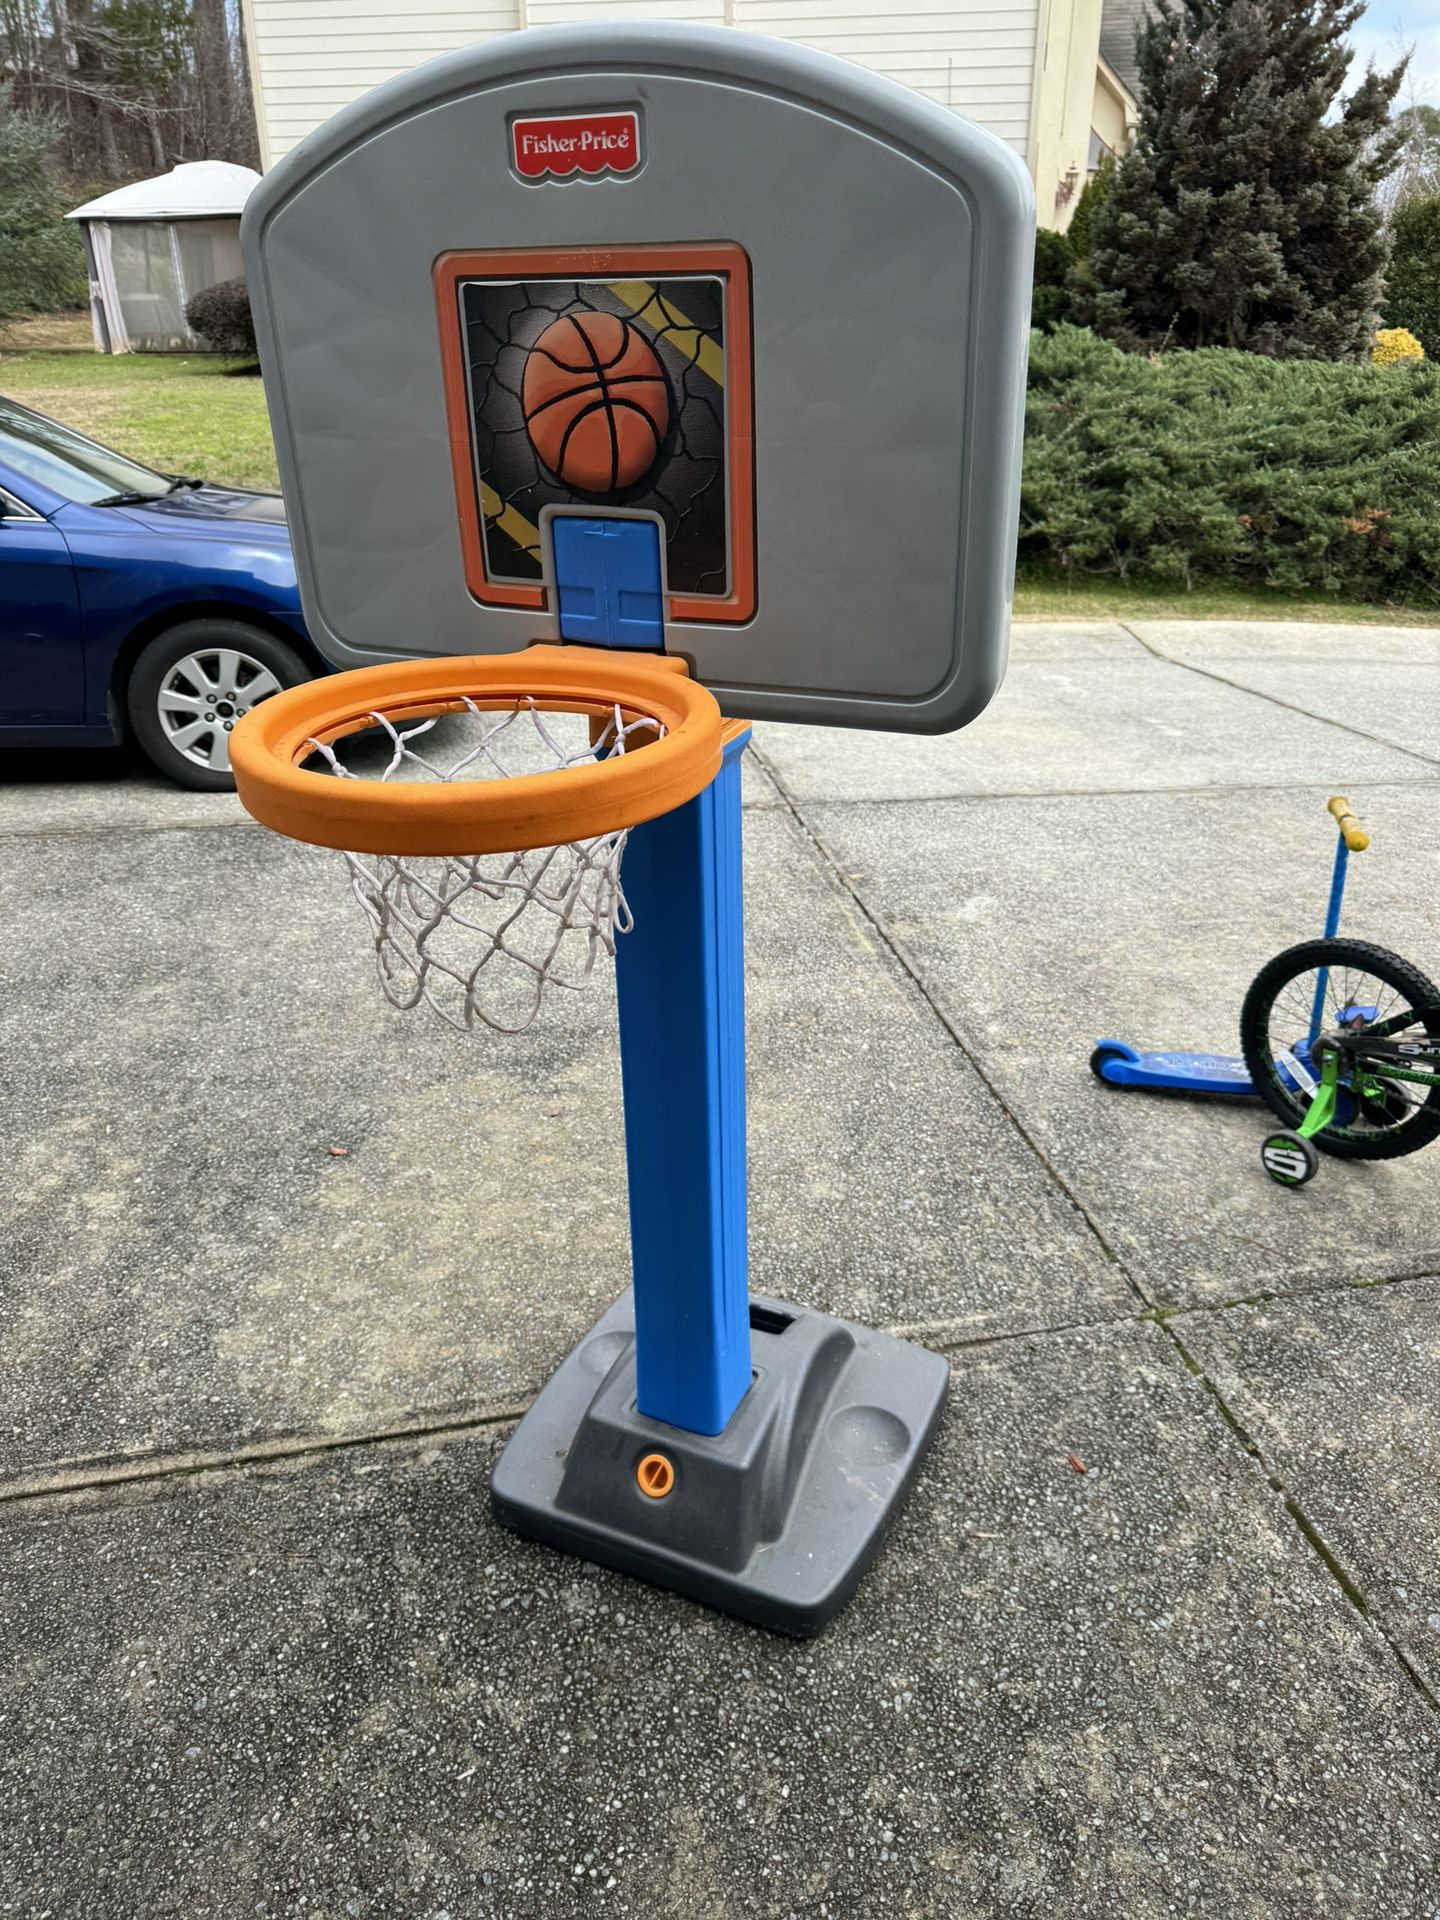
[833, 272]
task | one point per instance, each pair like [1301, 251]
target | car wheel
[189, 687]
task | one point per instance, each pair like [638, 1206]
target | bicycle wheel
[1360, 986]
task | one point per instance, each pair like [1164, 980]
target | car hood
[210, 510]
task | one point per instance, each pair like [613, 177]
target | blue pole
[1332, 925]
[680, 979]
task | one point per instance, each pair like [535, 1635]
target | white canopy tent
[149, 247]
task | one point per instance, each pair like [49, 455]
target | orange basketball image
[596, 405]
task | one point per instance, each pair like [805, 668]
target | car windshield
[68, 463]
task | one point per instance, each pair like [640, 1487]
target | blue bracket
[609, 582]
[680, 977]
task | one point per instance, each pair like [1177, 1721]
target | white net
[479, 937]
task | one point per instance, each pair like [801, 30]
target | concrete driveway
[262, 1651]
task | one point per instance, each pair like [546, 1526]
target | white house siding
[978, 60]
[554, 13]
[311, 57]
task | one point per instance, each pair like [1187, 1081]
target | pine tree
[1079, 285]
[1244, 215]
[1096, 190]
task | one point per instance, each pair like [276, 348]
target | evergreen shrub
[222, 314]
[42, 263]
[1412, 282]
[1308, 477]
[1050, 302]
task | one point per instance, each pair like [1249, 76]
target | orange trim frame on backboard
[722, 259]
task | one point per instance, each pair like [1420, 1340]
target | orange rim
[478, 816]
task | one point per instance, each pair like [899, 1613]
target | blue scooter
[1120, 1065]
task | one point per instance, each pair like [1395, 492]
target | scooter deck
[1122, 1065]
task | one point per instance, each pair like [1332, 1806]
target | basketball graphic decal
[628, 389]
[597, 408]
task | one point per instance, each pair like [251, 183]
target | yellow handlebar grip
[1356, 838]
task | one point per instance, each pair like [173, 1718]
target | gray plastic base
[776, 1518]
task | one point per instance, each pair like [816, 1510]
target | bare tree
[1416, 173]
[134, 84]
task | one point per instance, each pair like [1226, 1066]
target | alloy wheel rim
[203, 695]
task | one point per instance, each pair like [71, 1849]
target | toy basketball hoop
[482, 806]
[650, 344]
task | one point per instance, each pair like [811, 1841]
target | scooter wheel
[1098, 1059]
[1288, 1159]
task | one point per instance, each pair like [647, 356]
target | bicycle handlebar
[1356, 838]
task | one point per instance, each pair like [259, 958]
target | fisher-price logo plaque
[564, 146]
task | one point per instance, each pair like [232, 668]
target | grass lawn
[182, 413]
[1047, 597]
[194, 414]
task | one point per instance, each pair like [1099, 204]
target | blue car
[136, 604]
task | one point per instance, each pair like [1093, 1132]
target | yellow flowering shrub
[1394, 345]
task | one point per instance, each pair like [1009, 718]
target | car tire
[189, 686]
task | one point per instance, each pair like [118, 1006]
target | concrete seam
[180, 1466]
[23, 1490]
[1267, 1296]
[1290, 706]
[1216, 791]
[142, 828]
[138, 828]
[940, 1339]
[915, 975]
[938, 1334]
[1329, 1559]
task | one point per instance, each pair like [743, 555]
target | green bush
[222, 315]
[1050, 304]
[42, 263]
[1412, 284]
[1302, 476]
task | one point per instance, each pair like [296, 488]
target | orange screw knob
[655, 1475]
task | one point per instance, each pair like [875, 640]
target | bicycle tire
[1423, 1125]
